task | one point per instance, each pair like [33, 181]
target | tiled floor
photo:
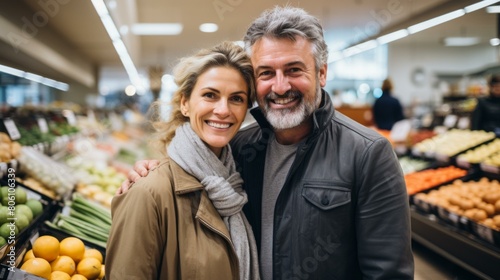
[431, 266]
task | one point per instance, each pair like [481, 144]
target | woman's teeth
[218, 125]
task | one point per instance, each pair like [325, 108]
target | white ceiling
[76, 27]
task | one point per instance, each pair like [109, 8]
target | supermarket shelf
[473, 255]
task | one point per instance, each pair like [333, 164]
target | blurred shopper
[387, 110]
[326, 195]
[184, 220]
[486, 115]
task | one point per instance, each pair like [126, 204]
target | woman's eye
[209, 95]
[238, 99]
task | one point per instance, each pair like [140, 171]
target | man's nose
[281, 84]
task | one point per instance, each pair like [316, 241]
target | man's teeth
[282, 101]
[218, 125]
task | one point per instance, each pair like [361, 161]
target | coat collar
[185, 183]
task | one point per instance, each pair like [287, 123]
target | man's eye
[294, 70]
[264, 73]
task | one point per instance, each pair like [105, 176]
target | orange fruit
[28, 255]
[46, 247]
[89, 267]
[73, 248]
[101, 275]
[93, 253]
[37, 266]
[64, 264]
[59, 275]
[78, 277]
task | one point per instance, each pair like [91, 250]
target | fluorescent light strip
[480, 5]
[493, 9]
[336, 56]
[156, 28]
[34, 77]
[368, 45]
[392, 36]
[435, 21]
[461, 41]
[120, 47]
[209, 27]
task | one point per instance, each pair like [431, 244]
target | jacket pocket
[326, 197]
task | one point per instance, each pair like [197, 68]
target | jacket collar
[186, 183]
[321, 116]
[183, 181]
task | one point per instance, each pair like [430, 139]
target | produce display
[410, 165]
[68, 258]
[481, 153]
[52, 174]
[453, 142]
[426, 179]
[8, 149]
[476, 200]
[98, 183]
[25, 211]
[85, 220]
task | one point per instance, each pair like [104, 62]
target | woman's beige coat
[166, 227]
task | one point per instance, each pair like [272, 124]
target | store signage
[12, 129]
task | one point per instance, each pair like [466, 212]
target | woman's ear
[184, 106]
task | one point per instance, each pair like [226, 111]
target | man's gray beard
[281, 119]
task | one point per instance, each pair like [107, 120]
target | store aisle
[432, 266]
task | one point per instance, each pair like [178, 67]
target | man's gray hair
[288, 22]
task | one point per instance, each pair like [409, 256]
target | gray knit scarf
[224, 187]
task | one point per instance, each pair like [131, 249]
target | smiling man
[326, 195]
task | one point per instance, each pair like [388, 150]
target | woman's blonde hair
[186, 73]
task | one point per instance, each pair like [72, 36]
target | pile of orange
[67, 259]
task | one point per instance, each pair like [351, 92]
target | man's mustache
[289, 94]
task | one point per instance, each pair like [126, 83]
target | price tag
[400, 131]
[42, 124]
[484, 233]
[12, 129]
[463, 123]
[450, 121]
[70, 117]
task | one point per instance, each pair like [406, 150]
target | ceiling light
[493, 9]
[435, 21]
[360, 48]
[156, 28]
[460, 41]
[209, 27]
[120, 48]
[392, 36]
[34, 77]
[479, 5]
[495, 42]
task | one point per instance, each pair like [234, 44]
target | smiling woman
[188, 209]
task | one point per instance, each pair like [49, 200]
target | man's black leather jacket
[343, 212]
